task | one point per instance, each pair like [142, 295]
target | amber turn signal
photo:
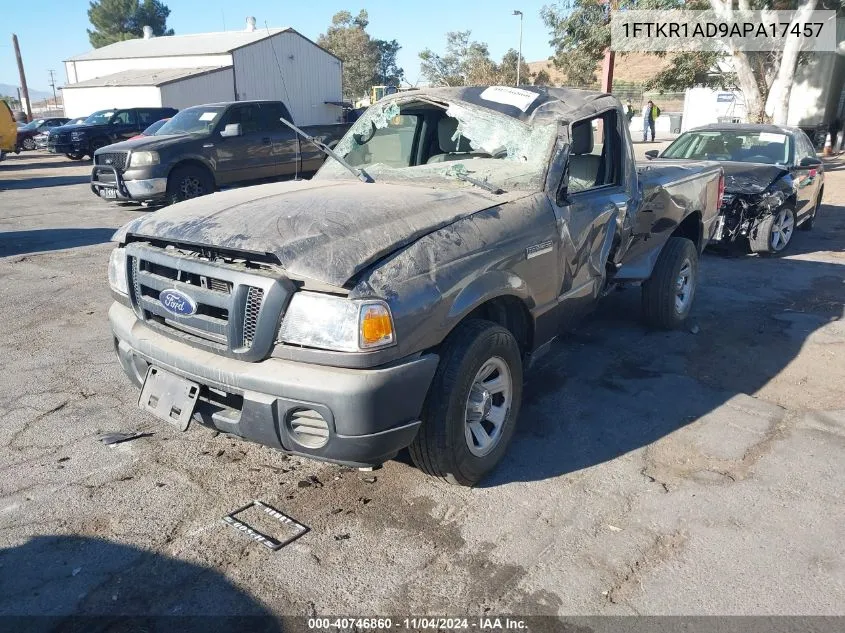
[376, 325]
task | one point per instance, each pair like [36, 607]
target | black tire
[94, 145]
[188, 181]
[662, 302]
[762, 239]
[74, 156]
[28, 144]
[441, 448]
[809, 223]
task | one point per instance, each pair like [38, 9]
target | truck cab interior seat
[457, 149]
[583, 164]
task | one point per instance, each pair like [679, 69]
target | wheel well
[512, 314]
[690, 228]
[191, 162]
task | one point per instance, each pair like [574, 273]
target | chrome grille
[231, 302]
[253, 306]
[117, 160]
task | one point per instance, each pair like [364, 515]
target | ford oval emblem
[177, 302]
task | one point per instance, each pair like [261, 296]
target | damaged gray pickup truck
[396, 298]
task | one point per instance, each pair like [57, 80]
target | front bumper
[371, 414]
[67, 148]
[107, 177]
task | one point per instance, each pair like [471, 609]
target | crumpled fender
[490, 285]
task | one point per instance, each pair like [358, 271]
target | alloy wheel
[487, 406]
[782, 229]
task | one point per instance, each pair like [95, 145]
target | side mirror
[652, 154]
[232, 129]
[810, 161]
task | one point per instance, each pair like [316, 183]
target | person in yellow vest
[650, 114]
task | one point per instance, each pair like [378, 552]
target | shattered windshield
[417, 139]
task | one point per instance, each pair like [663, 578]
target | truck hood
[750, 177]
[325, 230]
[155, 143]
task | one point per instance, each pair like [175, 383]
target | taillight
[721, 189]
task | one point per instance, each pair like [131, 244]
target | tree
[542, 78]
[507, 69]
[581, 33]
[468, 63]
[387, 71]
[347, 38]
[118, 20]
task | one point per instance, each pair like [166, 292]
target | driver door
[123, 125]
[594, 202]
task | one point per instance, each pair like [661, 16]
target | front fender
[490, 285]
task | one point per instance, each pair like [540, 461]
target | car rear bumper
[369, 414]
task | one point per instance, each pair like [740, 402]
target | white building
[183, 70]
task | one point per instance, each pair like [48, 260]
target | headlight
[334, 323]
[77, 135]
[117, 271]
[143, 159]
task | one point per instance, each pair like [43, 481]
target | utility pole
[519, 54]
[23, 77]
[609, 55]
[53, 86]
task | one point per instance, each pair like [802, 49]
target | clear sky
[51, 31]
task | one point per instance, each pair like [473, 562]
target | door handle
[266, 140]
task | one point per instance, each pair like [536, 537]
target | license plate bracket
[169, 397]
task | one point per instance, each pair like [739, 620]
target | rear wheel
[470, 414]
[188, 181]
[668, 294]
[774, 233]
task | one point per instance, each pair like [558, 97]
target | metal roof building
[179, 71]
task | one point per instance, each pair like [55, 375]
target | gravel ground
[651, 473]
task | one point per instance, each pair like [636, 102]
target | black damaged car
[774, 182]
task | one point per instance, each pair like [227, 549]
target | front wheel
[668, 294]
[28, 144]
[470, 414]
[774, 233]
[188, 181]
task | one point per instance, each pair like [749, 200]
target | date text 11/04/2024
[485, 623]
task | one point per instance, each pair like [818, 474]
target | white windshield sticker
[105, 114]
[208, 116]
[770, 137]
[515, 97]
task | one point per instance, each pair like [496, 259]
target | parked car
[102, 128]
[774, 182]
[155, 127]
[8, 131]
[395, 299]
[41, 139]
[204, 147]
[26, 134]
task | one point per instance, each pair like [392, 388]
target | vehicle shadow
[42, 181]
[16, 163]
[80, 583]
[39, 240]
[614, 386]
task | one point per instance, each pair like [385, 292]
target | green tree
[507, 69]
[388, 73]
[468, 63]
[118, 20]
[542, 78]
[347, 38]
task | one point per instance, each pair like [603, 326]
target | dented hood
[750, 177]
[324, 230]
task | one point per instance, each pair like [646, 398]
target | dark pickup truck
[395, 299]
[206, 147]
[103, 128]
